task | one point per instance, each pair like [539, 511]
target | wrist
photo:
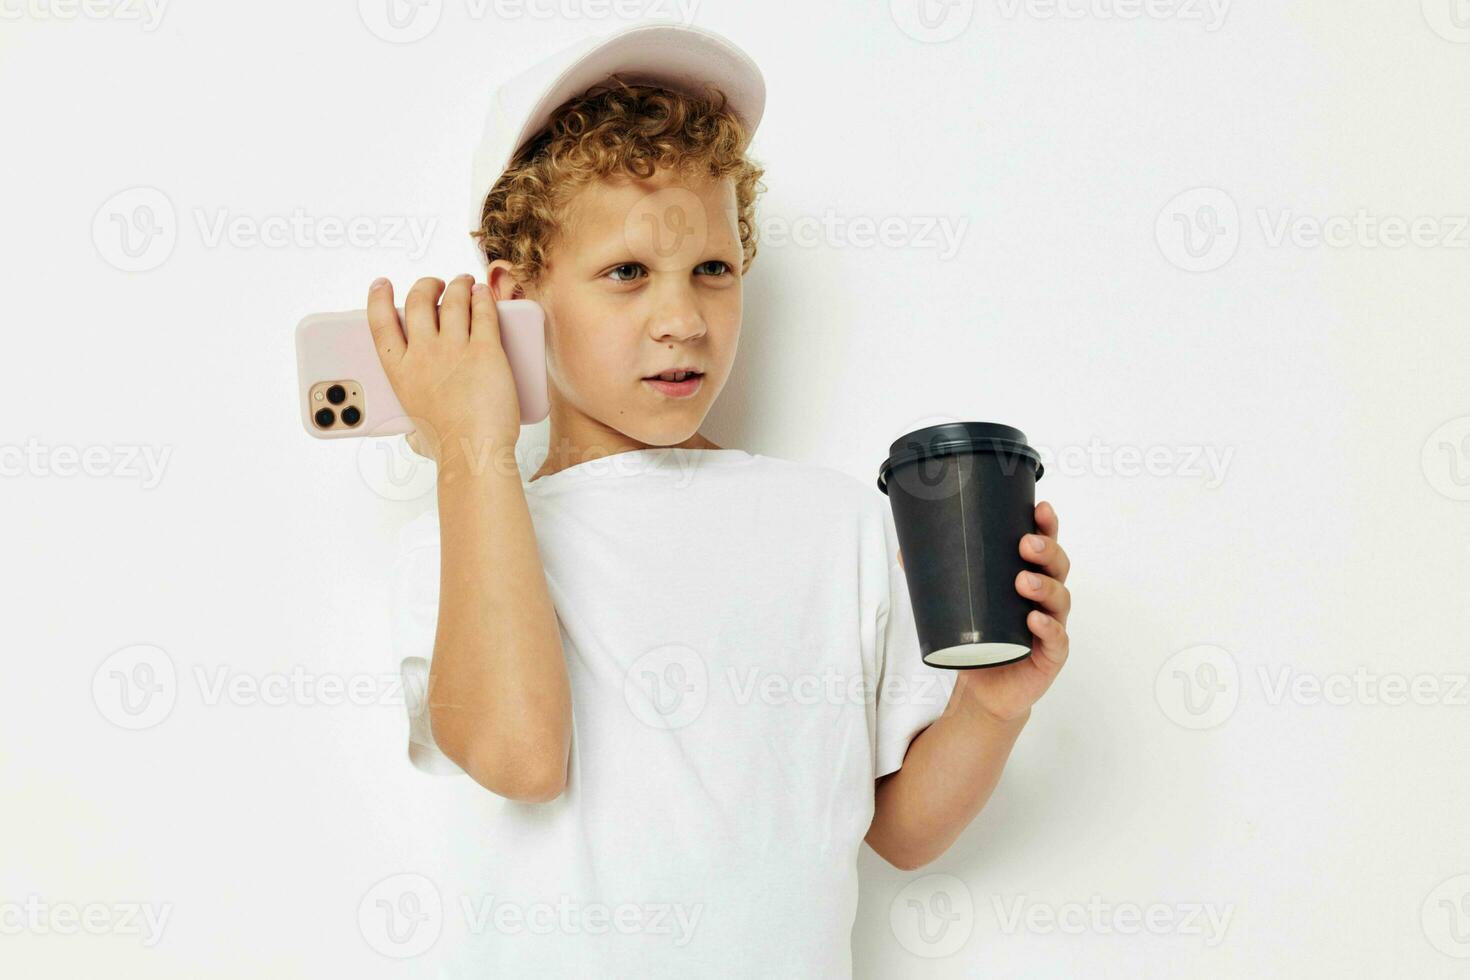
[464, 459]
[973, 701]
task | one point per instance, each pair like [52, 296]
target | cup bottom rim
[967, 655]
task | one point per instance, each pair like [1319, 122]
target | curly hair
[625, 129]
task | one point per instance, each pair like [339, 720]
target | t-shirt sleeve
[910, 693]
[415, 617]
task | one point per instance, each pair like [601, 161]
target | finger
[900, 559]
[1052, 644]
[1047, 521]
[1042, 550]
[421, 310]
[1046, 592]
[484, 318]
[454, 309]
[382, 316]
[1049, 524]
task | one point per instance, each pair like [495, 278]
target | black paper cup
[963, 495]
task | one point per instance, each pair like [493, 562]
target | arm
[946, 779]
[499, 696]
[952, 766]
[500, 700]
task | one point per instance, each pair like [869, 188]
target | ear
[502, 282]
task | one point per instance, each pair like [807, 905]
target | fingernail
[1032, 582]
[1038, 543]
[378, 282]
[478, 288]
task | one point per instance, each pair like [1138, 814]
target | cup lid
[955, 437]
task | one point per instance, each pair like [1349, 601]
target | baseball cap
[678, 57]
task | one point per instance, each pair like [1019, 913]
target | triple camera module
[343, 408]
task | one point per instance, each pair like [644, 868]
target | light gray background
[1119, 176]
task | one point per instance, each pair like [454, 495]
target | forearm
[500, 700]
[946, 779]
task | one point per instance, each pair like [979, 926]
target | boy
[688, 675]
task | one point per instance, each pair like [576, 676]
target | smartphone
[345, 392]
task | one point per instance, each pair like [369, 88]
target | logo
[1446, 917]
[1199, 230]
[667, 687]
[1198, 687]
[671, 224]
[401, 916]
[1450, 19]
[136, 687]
[135, 230]
[933, 916]
[400, 21]
[932, 21]
[391, 468]
[1446, 459]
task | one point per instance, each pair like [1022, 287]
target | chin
[660, 432]
[666, 438]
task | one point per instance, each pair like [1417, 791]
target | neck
[584, 439]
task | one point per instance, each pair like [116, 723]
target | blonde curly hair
[626, 129]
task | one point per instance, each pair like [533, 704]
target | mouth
[679, 383]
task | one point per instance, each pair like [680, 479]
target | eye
[724, 267]
[626, 265]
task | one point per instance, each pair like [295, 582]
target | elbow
[905, 861]
[523, 784]
[903, 855]
[524, 778]
[515, 771]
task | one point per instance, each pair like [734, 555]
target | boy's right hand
[447, 367]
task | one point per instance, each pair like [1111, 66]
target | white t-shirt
[743, 664]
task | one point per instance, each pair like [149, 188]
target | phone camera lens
[324, 418]
[350, 415]
[336, 394]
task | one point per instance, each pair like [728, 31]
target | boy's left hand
[1008, 692]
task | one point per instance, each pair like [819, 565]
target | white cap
[676, 56]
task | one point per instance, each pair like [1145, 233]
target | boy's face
[643, 277]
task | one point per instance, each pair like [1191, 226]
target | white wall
[1328, 383]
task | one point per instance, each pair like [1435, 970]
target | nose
[676, 316]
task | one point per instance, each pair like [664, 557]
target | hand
[1007, 693]
[447, 367]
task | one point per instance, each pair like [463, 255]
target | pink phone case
[335, 350]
